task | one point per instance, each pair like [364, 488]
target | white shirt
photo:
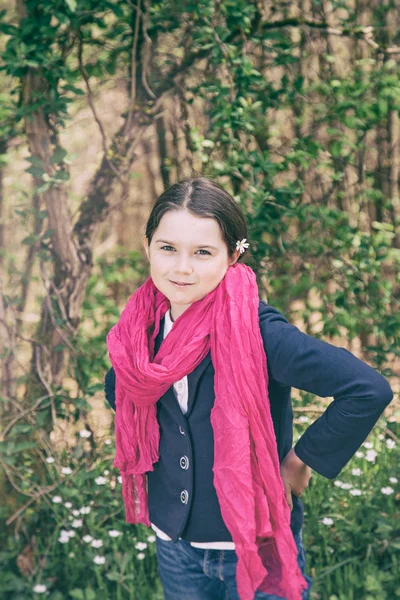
[181, 392]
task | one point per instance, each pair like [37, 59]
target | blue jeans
[189, 573]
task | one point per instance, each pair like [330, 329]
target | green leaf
[34, 159]
[96, 387]
[36, 171]
[72, 4]
[47, 234]
[336, 148]
[77, 594]
[58, 156]
[90, 594]
[30, 239]
[22, 428]
[61, 176]
[110, 67]
[31, 63]
[113, 576]
[9, 29]
[56, 596]
[11, 448]
[72, 88]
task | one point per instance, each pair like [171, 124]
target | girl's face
[187, 249]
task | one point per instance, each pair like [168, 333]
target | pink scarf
[246, 468]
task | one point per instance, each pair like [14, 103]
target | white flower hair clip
[242, 245]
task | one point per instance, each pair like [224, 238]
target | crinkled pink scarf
[246, 468]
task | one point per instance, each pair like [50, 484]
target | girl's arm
[360, 393]
[109, 387]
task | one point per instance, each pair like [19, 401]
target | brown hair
[203, 198]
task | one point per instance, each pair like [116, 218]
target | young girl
[201, 381]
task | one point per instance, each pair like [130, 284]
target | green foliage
[351, 532]
[81, 519]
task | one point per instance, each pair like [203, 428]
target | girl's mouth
[180, 284]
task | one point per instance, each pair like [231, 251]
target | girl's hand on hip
[295, 475]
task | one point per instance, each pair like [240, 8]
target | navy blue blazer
[182, 498]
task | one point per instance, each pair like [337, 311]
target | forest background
[294, 108]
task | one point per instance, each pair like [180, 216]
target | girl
[201, 380]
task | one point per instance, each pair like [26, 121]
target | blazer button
[184, 462]
[184, 496]
[181, 430]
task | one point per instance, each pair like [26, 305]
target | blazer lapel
[169, 399]
[193, 381]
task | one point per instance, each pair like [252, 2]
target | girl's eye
[201, 249]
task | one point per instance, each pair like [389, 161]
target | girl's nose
[183, 265]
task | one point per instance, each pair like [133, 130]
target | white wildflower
[99, 560]
[106, 472]
[71, 555]
[85, 433]
[40, 588]
[355, 492]
[63, 539]
[303, 419]
[242, 245]
[141, 546]
[100, 480]
[119, 478]
[141, 556]
[77, 523]
[359, 454]
[64, 533]
[347, 486]
[76, 513]
[368, 445]
[57, 499]
[338, 483]
[381, 436]
[97, 543]
[356, 471]
[393, 479]
[66, 470]
[107, 442]
[151, 539]
[390, 443]
[50, 459]
[87, 538]
[68, 505]
[387, 490]
[85, 510]
[114, 533]
[371, 456]
[327, 521]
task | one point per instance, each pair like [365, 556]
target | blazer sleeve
[109, 387]
[360, 393]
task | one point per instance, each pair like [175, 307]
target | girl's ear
[235, 256]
